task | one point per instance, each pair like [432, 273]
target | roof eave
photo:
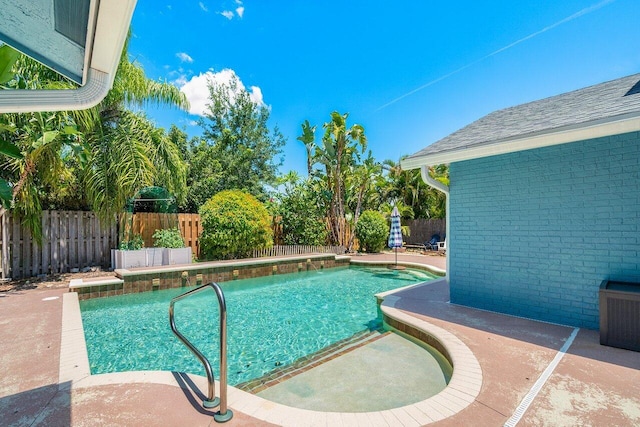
[615, 125]
[110, 29]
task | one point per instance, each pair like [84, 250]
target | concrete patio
[588, 385]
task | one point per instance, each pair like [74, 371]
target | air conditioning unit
[620, 315]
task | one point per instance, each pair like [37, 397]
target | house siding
[534, 233]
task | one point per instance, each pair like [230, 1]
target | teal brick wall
[534, 233]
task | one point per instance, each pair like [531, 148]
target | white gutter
[87, 96]
[111, 27]
[424, 172]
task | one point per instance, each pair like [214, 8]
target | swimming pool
[272, 321]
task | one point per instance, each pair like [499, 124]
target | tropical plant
[34, 145]
[338, 155]
[8, 58]
[302, 212]
[168, 238]
[129, 152]
[359, 188]
[372, 231]
[408, 187]
[234, 223]
[179, 138]
[135, 243]
[127, 157]
[308, 138]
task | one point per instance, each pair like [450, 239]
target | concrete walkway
[589, 385]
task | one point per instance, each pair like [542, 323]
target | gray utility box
[620, 315]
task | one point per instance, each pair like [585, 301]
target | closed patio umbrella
[395, 234]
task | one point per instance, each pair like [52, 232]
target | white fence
[282, 250]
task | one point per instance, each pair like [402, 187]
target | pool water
[272, 321]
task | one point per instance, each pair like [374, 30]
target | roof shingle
[579, 107]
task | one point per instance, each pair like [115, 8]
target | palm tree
[308, 139]
[129, 153]
[341, 146]
[359, 182]
[408, 186]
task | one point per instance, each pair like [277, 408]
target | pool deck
[587, 384]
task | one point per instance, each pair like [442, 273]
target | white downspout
[424, 172]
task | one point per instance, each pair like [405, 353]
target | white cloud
[256, 95]
[184, 57]
[203, 7]
[181, 80]
[229, 14]
[197, 89]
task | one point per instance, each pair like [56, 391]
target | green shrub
[234, 223]
[168, 238]
[372, 231]
[133, 244]
[303, 216]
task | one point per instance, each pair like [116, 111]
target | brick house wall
[534, 233]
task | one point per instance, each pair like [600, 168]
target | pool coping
[430, 268]
[462, 390]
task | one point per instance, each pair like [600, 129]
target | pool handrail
[224, 414]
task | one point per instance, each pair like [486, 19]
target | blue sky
[410, 72]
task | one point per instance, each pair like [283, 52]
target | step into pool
[386, 373]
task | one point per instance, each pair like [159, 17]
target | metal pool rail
[211, 401]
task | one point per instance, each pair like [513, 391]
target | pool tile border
[175, 276]
[462, 390]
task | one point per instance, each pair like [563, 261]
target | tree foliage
[130, 152]
[302, 212]
[236, 150]
[408, 190]
[345, 174]
[352, 181]
[233, 224]
[34, 145]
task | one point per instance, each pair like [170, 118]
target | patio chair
[433, 243]
[442, 246]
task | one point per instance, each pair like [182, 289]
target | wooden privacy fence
[423, 229]
[71, 239]
[146, 223]
[77, 239]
